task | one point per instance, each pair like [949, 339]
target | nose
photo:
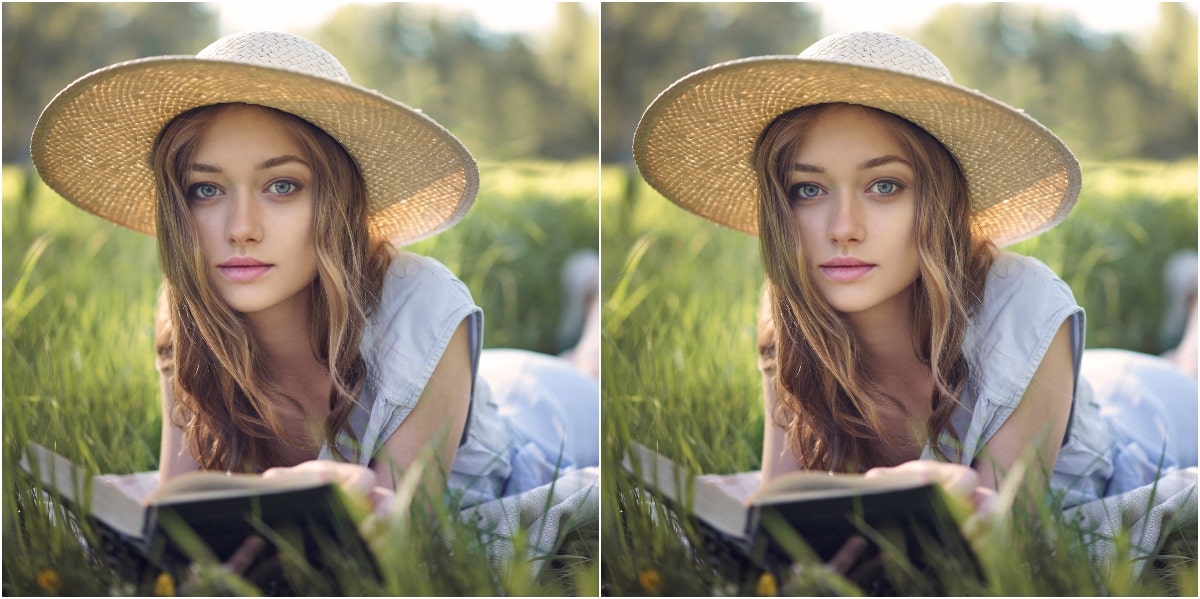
[846, 220]
[243, 223]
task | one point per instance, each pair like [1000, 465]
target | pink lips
[242, 269]
[843, 269]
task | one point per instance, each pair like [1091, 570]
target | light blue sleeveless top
[514, 438]
[1116, 432]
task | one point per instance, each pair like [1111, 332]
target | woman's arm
[173, 455]
[174, 458]
[777, 457]
[436, 422]
[1039, 420]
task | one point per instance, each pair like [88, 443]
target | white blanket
[1145, 512]
[544, 513]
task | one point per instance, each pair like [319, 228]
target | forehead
[853, 130]
[248, 129]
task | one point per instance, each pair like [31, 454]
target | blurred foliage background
[1108, 95]
[506, 95]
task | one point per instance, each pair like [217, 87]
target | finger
[844, 559]
[381, 500]
[241, 559]
[984, 499]
[353, 478]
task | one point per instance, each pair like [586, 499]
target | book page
[137, 486]
[740, 486]
[216, 485]
[119, 510]
[798, 486]
[709, 502]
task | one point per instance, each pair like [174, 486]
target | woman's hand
[958, 480]
[356, 481]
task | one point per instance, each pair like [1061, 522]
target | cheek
[207, 226]
[806, 230]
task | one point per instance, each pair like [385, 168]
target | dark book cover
[913, 539]
[207, 516]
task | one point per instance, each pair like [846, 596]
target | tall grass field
[79, 378]
[680, 376]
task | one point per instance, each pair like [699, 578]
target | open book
[900, 514]
[203, 514]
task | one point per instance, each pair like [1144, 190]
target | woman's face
[250, 194]
[852, 200]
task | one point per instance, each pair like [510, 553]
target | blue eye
[203, 191]
[283, 187]
[804, 191]
[886, 187]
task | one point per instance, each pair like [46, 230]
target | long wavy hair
[232, 413]
[828, 401]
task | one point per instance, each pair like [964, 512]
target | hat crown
[277, 50]
[879, 50]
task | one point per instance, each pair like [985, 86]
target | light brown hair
[827, 399]
[231, 411]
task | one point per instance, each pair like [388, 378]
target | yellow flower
[164, 585]
[767, 586]
[650, 580]
[48, 580]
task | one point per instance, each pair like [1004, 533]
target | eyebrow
[872, 163]
[268, 163]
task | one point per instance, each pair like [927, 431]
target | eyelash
[794, 191]
[295, 186]
[193, 191]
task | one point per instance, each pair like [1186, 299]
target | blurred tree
[571, 61]
[48, 45]
[1170, 60]
[646, 46]
[501, 96]
[1091, 89]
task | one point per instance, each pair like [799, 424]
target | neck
[885, 334]
[282, 334]
[886, 338]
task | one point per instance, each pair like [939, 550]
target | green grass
[679, 373]
[78, 369]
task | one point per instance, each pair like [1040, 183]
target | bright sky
[245, 15]
[1097, 15]
[291, 16]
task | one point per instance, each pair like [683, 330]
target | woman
[290, 327]
[893, 331]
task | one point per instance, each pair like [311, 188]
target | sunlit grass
[680, 376]
[78, 368]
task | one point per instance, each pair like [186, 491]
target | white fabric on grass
[543, 514]
[1145, 513]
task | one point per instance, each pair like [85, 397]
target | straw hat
[695, 143]
[93, 141]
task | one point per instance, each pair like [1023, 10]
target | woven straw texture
[695, 142]
[93, 141]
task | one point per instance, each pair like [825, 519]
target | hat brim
[695, 142]
[92, 143]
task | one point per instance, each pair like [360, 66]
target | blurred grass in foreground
[679, 372]
[79, 376]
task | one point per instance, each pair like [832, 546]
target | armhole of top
[1077, 341]
[475, 339]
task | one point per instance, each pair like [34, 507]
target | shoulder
[415, 277]
[1014, 277]
[1022, 293]
[1024, 305]
[421, 305]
